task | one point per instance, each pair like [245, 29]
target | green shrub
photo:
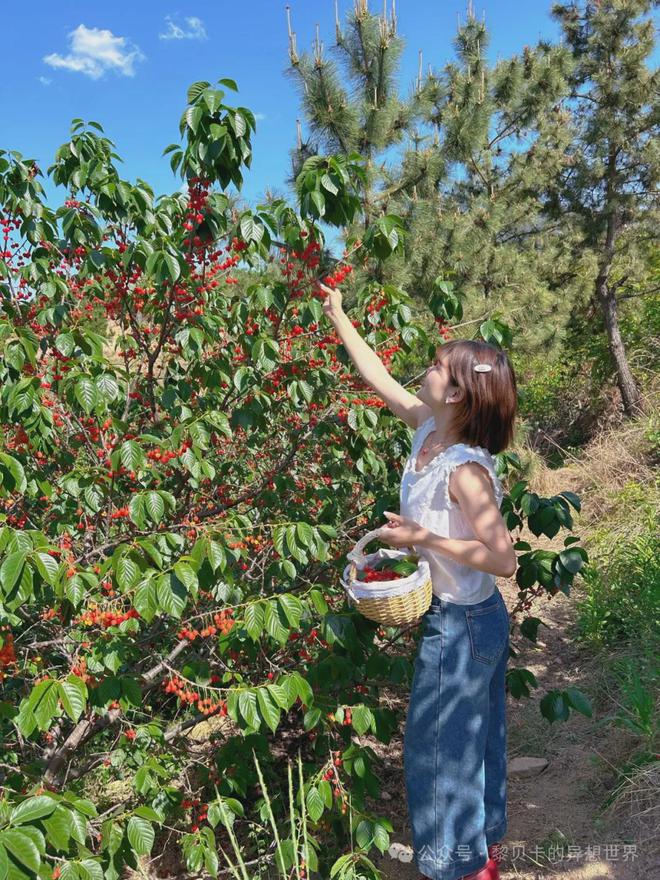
[623, 593]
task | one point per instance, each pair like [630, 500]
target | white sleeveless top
[424, 497]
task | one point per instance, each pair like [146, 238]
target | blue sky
[128, 65]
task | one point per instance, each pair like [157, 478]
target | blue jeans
[454, 745]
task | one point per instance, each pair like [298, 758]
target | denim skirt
[454, 746]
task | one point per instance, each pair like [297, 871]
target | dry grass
[636, 806]
[615, 475]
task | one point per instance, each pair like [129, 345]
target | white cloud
[44, 80]
[194, 29]
[259, 116]
[96, 50]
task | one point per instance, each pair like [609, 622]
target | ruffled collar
[440, 457]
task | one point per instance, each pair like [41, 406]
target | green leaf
[36, 836]
[154, 506]
[172, 595]
[211, 861]
[579, 701]
[306, 390]
[65, 343]
[312, 718]
[42, 702]
[74, 590]
[69, 871]
[274, 625]
[11, 570]
[247, 227]
[47, 566]
[269, 711]
[573, 499]
[22, 848]
[127, 572]
[193, 117]
[247, 703]
[305, 534]
[215, 553]
[107, 386]
[78, 827]
[32, 809]
[529, 627]
[58, 828]
[136, 511]
[325, 790]
[12, 474]
[147, 813]
[194, 91]
[326, 183]
[242, 378]
[381, 837]
[171, 265]
[93, 497]
[362, 719]
[90, 869]
[288, 568]
[572, 560]
[238, 123]
[318, 201]
[213, 99]
[132, 456]
[140, 835]
[364, 834]
[292, 543]
[279, 533]
[73, 695]
[86, 394]
[314, 803]
[224, 810]
[293, 609]
[302, 688]
[555, 706]
[145, 600]
[254, 620]
[130, 691]
[281, 696]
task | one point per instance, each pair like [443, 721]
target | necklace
[425, 449]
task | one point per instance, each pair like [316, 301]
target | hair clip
[483, 368]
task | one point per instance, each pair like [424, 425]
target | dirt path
[555, 823]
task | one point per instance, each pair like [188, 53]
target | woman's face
[437, 385]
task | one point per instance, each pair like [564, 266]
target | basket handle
[351, 593]
[356, 555]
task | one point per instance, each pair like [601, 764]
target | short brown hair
[486, 414]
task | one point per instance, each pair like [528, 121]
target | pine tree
[483, 223]
[609, 186]
[352, 105]
[460, 168]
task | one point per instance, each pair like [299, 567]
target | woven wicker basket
[393, 603]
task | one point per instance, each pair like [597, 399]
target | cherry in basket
[389, 569]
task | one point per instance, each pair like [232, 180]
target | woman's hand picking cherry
[401, 531]
[332, 304]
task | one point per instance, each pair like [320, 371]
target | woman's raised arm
[402, 403]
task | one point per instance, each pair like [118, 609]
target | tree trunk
[630, 395]
[626, 381]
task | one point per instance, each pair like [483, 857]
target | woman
[455, 737]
